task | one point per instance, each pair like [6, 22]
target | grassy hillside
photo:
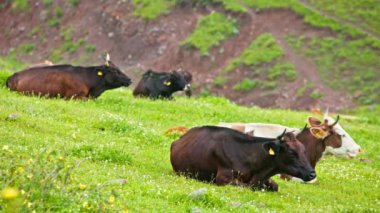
[112, 154]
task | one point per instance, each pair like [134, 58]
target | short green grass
[234, 6]
[263, 49]
[112, 154]
[74, 3]
[246, 85]
[151, 9]
[20, 5]
[210, 31]
[362, 13]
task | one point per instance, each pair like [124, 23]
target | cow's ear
[314, 121]
[318, 132]
[271, 148]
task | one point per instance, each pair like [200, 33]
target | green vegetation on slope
[263, 56]
[21, 5]
[347, 65]
[362, 13]
[263, 49]
[151, 9]
[69, 45]
[234, 6]
[210, 31]
[112, 154]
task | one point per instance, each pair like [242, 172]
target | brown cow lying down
[68, 81]
[315, 138]
[227, 156]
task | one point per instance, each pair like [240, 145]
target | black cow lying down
[163, 84]
[226, 156]
[68, 81]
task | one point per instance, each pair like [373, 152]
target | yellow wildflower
[20, 170]
[86, 205]
[82, 186]
[5, 147]
[111, 199]
[30, 161]
[9, 193]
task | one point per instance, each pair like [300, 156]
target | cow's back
[260, 129]
[50, 80]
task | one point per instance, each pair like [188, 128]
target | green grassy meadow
[112, 154]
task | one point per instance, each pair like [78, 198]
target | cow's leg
[270, 185]
[266, 184]
[226, 176]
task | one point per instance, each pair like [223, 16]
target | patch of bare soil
[136, 45]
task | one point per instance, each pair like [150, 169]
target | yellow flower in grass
[111, 199]
[20, 170]
[5, 147]
[82, 186]
[9, 193]
[86, 205]
[30, 161]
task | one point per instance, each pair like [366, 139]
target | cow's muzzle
[187, 90]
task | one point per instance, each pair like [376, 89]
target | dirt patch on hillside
[136, 45]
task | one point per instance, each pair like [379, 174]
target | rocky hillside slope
[271, 55]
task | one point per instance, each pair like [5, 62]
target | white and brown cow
[349, 148]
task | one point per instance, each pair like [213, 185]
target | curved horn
[337, 119]
[304, 127]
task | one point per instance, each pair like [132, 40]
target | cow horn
[107, 58]
[327, 112]
[304, 127]
[337, 119]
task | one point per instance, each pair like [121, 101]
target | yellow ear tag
[167, 83]
[319, 134]
[271, 152]
[100, 73]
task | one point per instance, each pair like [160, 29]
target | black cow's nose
[312, 175]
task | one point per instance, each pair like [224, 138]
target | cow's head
[112, 75]
[289, 155]
[349, 148]
[177, 81]
[333, 136]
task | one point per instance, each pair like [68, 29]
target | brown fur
[226, 156]
[67, 81]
